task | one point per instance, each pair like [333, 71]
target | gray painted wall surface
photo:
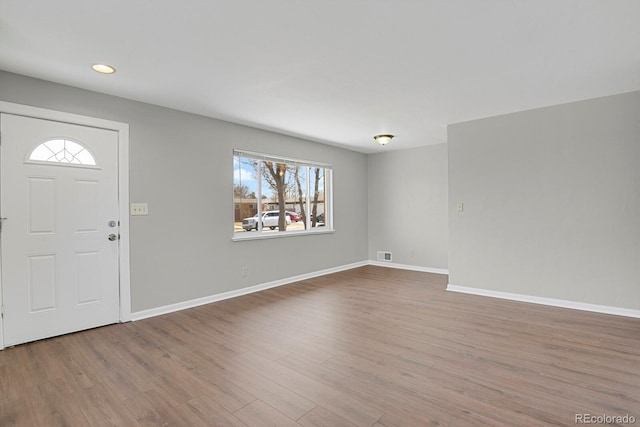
[408, 206]
[551, 202]
[181, 164]
[550, 196]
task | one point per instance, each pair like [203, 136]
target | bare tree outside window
[317, 177]
[301, 194]
[241, 191]
[276, 176]
[291, 194]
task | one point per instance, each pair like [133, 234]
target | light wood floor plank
[259, 414]
[322, 417]
[213, 414]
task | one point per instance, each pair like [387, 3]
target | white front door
[59, 203]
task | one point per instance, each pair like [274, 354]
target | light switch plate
[139, 209]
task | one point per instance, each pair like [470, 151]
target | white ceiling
[333, 71]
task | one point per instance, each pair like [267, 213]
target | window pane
[288, 195]
[84, 158]
[245, 185]
[276, 183]
[316, 187]
[298, 199]
[62, 151]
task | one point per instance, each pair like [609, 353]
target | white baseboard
[618, 311]
[139, 315]
[409, 267]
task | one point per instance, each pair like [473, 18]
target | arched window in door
[62, 151]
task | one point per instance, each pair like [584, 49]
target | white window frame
[328, 197]
[29, 154]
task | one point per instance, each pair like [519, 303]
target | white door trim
[123, 189]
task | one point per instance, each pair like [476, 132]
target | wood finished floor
[366, 347]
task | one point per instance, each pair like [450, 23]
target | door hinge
[1, 310]
[2, 220]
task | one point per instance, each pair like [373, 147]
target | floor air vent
[384, 256]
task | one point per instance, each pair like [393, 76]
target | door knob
[112, 237]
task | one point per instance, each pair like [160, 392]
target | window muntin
[299, 188]
[62, 151]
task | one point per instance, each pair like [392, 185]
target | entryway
[62, 223]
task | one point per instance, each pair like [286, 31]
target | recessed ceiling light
[103, 68]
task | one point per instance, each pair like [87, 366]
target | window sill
[252, 235]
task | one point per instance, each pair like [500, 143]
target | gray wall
[551, 202]
[181, 164]
[408, 206]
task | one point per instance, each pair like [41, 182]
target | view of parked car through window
[269, 219]
[274, 194]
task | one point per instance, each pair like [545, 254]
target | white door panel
[59, 270]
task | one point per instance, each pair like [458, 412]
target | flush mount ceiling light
[383, 139]
[103, 68]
